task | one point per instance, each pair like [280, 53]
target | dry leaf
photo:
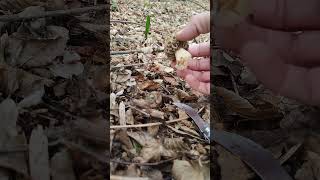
[61, 166]
[310, 169]
[33, 99]
[39, 155]
[149, 85]
[153, 130]
[122, 113]
[171, 80]
[184, 170]
[231, 166]
[129, 117]
[67, 70]
[236, 103]
[40, 52]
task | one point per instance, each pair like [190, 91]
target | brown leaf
[171, 80]
[231, 166]
[39, 155]
[61, 166]
[129, 117]
[184, 170]
[93, 132]
[37, 53]
[67, 70]
[149, 85]
[122, 113]
[310, 169]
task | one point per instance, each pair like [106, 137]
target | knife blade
[203, 127]
[254, 155]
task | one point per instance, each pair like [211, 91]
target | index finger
[199, 24]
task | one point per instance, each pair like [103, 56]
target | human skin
[279, 43]
[197, 74]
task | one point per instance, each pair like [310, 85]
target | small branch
[125, 22]
[142, 164]
[234, 84]
[113, 177]
[125, 52]
[148, 124]
[16, 17]
[131, 52]
[130, 65]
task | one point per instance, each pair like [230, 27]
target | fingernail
[179, 33]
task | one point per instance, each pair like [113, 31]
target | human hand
[197, 74]
[283, 59]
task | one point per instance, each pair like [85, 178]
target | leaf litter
[151, 138]
[53, 94]
[243, 106]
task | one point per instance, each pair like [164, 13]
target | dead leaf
[152, 149]
[122, 113]
[149, 85]
[33, 99]
[310, 169]
[35, 53]
[67, 70]
[129, 117]
[153, 130]
[61, 166]
[184, 170]
[171, 80]
[39, 155]
[231, 166]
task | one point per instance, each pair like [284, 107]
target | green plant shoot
[147, 30]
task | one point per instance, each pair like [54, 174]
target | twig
[144, 113]
[142, 164]
[125, 52]
[131, 52]
[130, 65]
[184, 133]
[234, 84]
[113, 177]
[123, 21]
[17, 17]
[199, 5]
[148, 124]
[74, 146]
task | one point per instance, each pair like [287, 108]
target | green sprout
[147, 30]
[114, 5]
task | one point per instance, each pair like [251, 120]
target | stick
[124, 52]
[16, 17]
[113, 177]
[130, 52]
[142, 164]
[130, 65]
[123, 21]
[148, 124]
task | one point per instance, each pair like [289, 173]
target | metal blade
[202, 125]
[259, 159]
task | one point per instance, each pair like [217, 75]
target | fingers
[199, 50]
[199, 24]
[198, 85]
[287, 14]
[200, 76]
[199, 65]
[295, 48]
[293, 81]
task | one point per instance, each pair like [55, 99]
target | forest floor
[144, 86]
